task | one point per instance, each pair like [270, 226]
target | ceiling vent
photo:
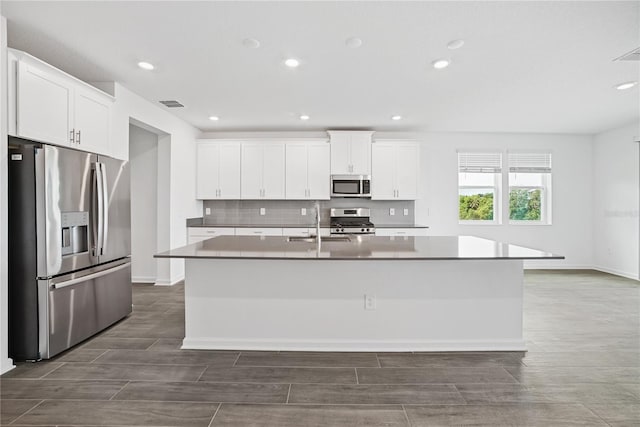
[634, 55]
[171, 104]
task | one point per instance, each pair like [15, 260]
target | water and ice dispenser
[75, 232]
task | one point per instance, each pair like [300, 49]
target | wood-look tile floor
[582, 368]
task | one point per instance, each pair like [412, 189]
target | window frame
[545, 193]
[497, 187]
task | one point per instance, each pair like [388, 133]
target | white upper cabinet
[350, 152]
[263, 170]
[217, 170]
[394, 174]
[308, 170]
[48, 105]
[92, 121]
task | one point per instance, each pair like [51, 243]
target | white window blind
[530, 162]
[480, 162]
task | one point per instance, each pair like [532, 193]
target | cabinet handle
[78, 135]
[72, 136]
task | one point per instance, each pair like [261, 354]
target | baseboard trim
[349, 345]
[626, 274]
[143, 279]
[555, 266]
[6, 365]
[169, 282]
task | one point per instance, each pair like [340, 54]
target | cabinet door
[251, 171]
[318, 172]
[45, 105]
[207, 160]
[229, 171]
[273, 171]
[296, 171]
[383, 175]
[360, 148]
[92, 121]
[340, 154]
[406, 170]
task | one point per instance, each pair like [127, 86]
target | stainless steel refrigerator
[69, 247]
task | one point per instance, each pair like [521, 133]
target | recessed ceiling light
[145, 65]
[455, 44]
[292, 62]
[214, 118]
[251, 43]
[353, 42]
[304, 117]
[440, 64]
[625, 85]
[396, 117]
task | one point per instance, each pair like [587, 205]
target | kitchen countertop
[359, 248]
[198, 222]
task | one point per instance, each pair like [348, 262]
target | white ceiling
[525, 66]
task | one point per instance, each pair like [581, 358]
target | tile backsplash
[288, 212]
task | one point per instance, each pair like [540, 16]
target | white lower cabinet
[408, 231]
[304, 232]
[256, 231]
[198, 234]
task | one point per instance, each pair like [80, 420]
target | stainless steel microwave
[350, 186]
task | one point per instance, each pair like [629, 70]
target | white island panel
[281, 304]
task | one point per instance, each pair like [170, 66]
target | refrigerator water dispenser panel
[75, 232]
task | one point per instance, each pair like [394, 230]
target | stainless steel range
[351, 221]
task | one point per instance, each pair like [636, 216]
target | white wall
[570, 233]
[179, 188]
[616, 201]
[143, 162]
[5, 363]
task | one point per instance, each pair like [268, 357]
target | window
[479, 179]
[530, 188]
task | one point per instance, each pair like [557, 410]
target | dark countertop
[199, 222]
[359, 248]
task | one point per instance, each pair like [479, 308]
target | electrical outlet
[406, 212]
[207, 211]
[369, 302]
[392, 211]
[263, 211]
[303, 211]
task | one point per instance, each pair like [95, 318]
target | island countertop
[358, 248]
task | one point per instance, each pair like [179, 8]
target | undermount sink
[322, 239]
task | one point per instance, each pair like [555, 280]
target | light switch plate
[392, 211]
[303, 211]
[406, 211]
[207, 211]
[263, 211]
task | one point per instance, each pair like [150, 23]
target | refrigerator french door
[69, 247]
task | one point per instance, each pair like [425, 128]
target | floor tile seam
[97, 357]
[29, 410]
[202, 373]
[54, 369]
[406, 416]
[119, 391]
[214, 414]
[357, 379]
[288, 394]
[271, 382]
[237, 358]
[303, 366]
[595, 414]
[100, 362]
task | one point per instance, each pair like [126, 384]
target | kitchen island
[365, 293]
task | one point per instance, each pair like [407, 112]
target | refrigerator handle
[86, 278]
[100, 192]
[105, 209]
[95, 210]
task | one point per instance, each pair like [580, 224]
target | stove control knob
[362, 229]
